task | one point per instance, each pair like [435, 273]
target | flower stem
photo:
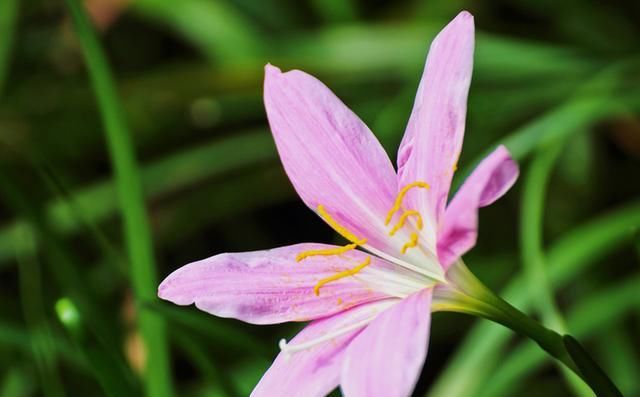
[466, 294]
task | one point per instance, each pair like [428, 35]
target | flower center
[356, 241]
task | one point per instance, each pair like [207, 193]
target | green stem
[466, 294]
[136, 226]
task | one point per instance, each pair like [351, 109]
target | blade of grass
[590, 370]
[8, 18]
[533, 257]
[136, 227]
[618, 353]
[567, 257]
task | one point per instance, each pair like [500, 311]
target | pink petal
[267, 287]
[386, 358]
[433, 139]
[488, 182]
[315, 372]
[329, 154]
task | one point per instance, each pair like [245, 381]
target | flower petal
[433, 139]
[316, 371]
[329, 154]
[386, 358]
[267, 287]
[489, 181]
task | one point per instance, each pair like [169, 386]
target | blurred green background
[173, 115]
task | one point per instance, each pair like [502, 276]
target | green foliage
[129, 152]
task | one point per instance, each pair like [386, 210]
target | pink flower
[370, 300]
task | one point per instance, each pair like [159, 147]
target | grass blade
[599, 381]
[533, 257]
[8, 17]
[136, 226]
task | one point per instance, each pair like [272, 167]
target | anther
[400, 197]
[411, 243]
[403, 219]
[326, 252]
[338, 227]
[341, 275]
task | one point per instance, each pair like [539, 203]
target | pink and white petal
[491, 179]
[433, 139]
[329, 154]
[316, 371]
[267, 287]
[387, 357]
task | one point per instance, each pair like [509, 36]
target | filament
[289, 349]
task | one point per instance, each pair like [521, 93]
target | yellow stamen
[411, 243]
[339, 228]
[400, 197]
[325, 252]
[403, 219]
[455, 167]
[338, 276]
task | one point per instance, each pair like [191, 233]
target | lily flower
[369, 301]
